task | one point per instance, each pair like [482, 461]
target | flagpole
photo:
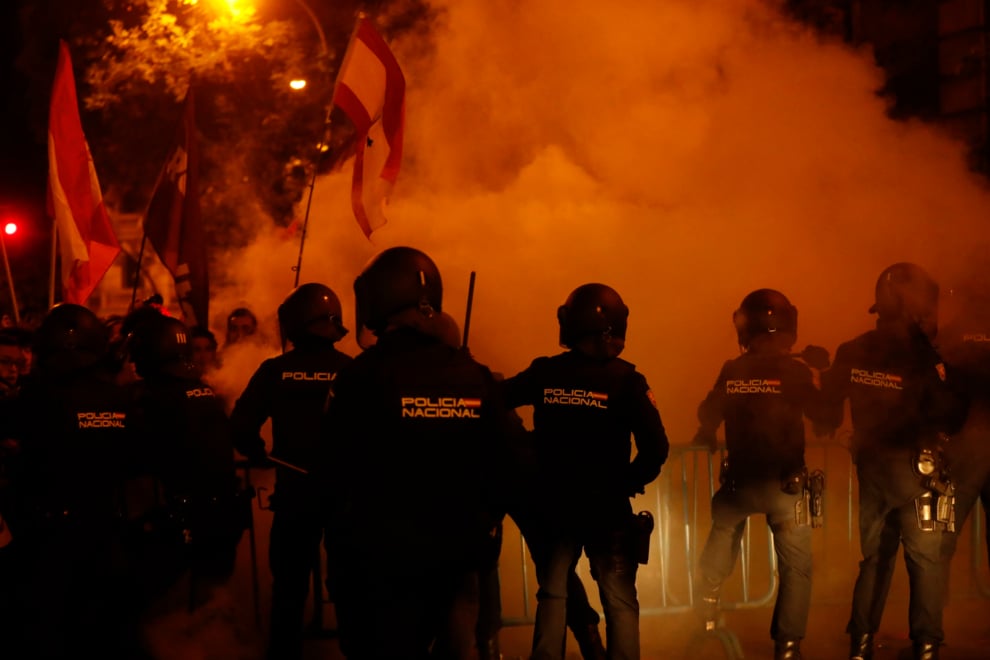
[137, 269]
[51, 273]
[325, 143]
[10, 281]
[312, 185]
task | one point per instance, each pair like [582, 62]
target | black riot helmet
[905, 292]
[70, 337]
[766, 312]
[397, 279]
[593, 311]
[160, 345]
[311, 311]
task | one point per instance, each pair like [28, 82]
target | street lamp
[324, 141]
[316, 23]
[323, 145]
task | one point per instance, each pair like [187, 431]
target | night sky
[22, 160]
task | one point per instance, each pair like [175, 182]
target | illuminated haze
[684, 152]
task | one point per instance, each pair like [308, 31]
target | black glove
[822, 430]
[816, 357]
[705, 438]
[635, 489]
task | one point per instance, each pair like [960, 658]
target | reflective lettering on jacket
[444, 407]
[976, 337]
[753, 386]
[878, 379]
[198, 392]
[557, 396]
[107, 419]
[321, 376]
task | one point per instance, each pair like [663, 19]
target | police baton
[295, 468]
[467, 313]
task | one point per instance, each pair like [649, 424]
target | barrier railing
[978, 554]
[680, 502]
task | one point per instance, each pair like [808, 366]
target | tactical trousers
[580, 614]
[731, 506]
[969, 467]
[388, 610]
[888, 488]
[293, 552]
[614, 567]
[78, 595]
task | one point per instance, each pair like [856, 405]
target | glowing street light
[9, 229]
[297, 84]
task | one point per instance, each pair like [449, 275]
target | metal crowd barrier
[680, 501]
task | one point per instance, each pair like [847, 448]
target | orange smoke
[684, 152]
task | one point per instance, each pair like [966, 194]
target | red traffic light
[10, 228]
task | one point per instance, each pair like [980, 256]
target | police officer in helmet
[964, 342]
[762, 397]
[587, 403]
[902, 401]
[189, 451]
[75, 431]
[291, 390]
[414, 432]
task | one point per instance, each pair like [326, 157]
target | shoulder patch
[653, 399]
[940, 368]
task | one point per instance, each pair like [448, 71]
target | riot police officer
[762, 397]
[964, 342]
[414, 429]
[74, 427]
[188, 449]
[291, 390]
[901, 400]
[523, 506]
[587, 403]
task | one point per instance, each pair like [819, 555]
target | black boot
[789, 650]
[589, 642]
[926, 651]
[861, 647]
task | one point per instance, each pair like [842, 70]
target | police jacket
[965, 346]
[186, 442]
[762, 397]
[292, 390]
[414, 429]
[899, 391]
[77, 445]
[585, 410]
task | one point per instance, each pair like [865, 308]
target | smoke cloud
[684, 153]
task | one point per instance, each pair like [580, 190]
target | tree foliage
[135, 60]
[239, 64]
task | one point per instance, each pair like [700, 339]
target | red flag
[87, 244]
[371, 90]
[173, 224]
